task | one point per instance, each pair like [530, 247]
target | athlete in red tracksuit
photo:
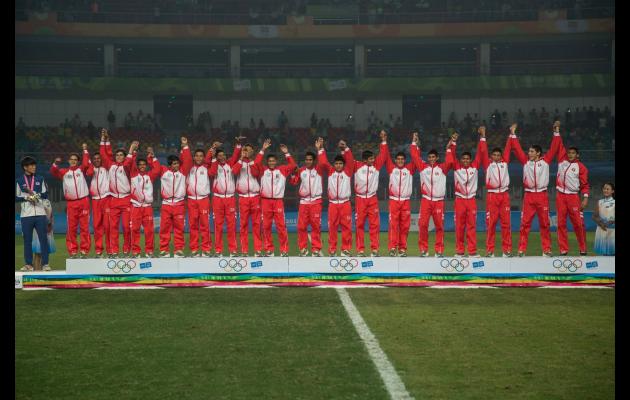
[365, 187]
[498, 198]
[572, 179]
[399, 190]
[172, 213]
[99, 190]
[142, 201]
[339, 207]
[247, 174]
[120, 190]
[76, 193]
[198, 193]
[466, 178]
[535, 182]
[310, 179]
[223, 201]
[272, 185]
[433, 189]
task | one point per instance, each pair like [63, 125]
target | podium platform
[325, 271]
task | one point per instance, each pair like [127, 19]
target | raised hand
[482, 131]
[319, 143]
[239, 138]
[383, 135]
[283, 148]
[104, 135]
[454, 136]
[216, 144]
[150, 151]
[184, 141]
[58, 160]
[84, 146]
[556, 127]
[342, 144]
[513, 129]
[266, 144]
[134, 146]
[415, 138]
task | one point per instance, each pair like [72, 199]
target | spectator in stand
[544, 117]
[398, 123]
[533, 117]
[75, 124]
[129, 121]
[567, 118]
[21, 125]
[468, 122]
[261, 124]
[252, 124]
[452, 119]
[556, 115]
[313, 120]
[371, 120]
[520, 118]
[283, 121]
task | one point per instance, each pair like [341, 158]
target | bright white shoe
[27, 268]
[46, 267]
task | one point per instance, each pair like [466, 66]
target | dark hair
[141, 159]
[401, 154]
[433, 151]
[339, 158]
[366, 154]
[496, 149]
[309, 153]
[466, 153]
[28, 160]
[536, 147]
[248, 145]
[612, 185]
[574, 148]
[199, 151]
[271, 156]
[75, 154]
[170, 159]
[120, 151]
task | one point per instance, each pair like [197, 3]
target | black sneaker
[583, 254]
[564, 253]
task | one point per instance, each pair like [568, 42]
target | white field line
[394, 385]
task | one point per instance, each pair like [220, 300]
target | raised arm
[237, 153]
[346, 153]
[187, 161]
[130, 160]
[383, 155]
[322, 160]
[86, 163]
[482, 150]
[516, 145]
[56, 171]
[105, 149]
[555, 144]
[259, 157]
[291, 165]
[414, 151]
[156, 168]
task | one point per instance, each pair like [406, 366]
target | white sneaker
[46, 267]
[179, 254]
[27, 267]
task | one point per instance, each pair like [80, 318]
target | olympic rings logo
[343, 264]
[567, 265]
[121, 266]
[454, 264]
[232, 264]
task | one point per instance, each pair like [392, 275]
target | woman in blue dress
[604, 216]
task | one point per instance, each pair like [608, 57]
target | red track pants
[430, 209]
[535, 204]
[310, 214]
[339, 214]
[172, 219]
[78, 214]
[399, 223]
[100, 223]
[249, 208]
[570, 204]
[224, 210]
[142, 216]
[120, 208]
[498, 208]
[199, 220]
[273, 210]
[367, 208]
[465, 225]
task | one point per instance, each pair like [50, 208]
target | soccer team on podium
[121, 188]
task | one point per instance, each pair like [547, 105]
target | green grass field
[299, 343]
[57, 260]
